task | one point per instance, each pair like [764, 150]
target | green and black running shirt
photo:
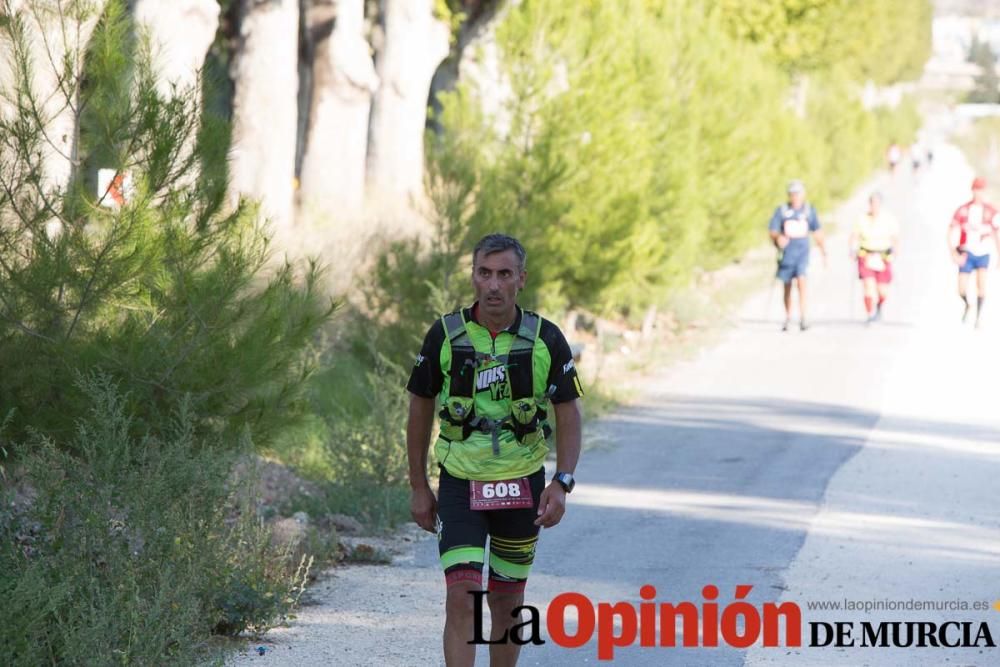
[554, 378]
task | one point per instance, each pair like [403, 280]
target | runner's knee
[503, 603]
[460, 600]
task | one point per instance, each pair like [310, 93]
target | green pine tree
[987, 88]
[173, 293]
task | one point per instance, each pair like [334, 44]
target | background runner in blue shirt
[790, 227]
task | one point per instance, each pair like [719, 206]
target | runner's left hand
[551, 505]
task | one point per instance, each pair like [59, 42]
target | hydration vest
[524, 416]
[802, 217]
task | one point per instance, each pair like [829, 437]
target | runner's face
[796, 199]
[874, 204]
[977, 195]
[496, 279]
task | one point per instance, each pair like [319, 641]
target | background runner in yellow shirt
[875, 243]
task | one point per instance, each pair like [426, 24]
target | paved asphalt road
[846, 462]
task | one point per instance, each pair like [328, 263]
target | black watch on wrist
[565, 480]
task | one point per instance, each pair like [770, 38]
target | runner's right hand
[782, 241]
[423, 508]
[958, 257]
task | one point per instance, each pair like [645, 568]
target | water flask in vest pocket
[525, 414]
[455, 414]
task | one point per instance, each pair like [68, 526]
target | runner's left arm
[817, 232]
[820, 242]
[569, 435]
[569, 440]
[995, 224]
[565, 391]
[894, 248]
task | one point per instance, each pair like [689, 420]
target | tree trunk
[265, 108]
[57, 33]
[476, 61]
[800, 95]
[181, 32]
[415, 44]
[333, 168]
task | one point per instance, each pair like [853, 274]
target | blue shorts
[974, 262]
[788, 270]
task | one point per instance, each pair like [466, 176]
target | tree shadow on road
[727, 489]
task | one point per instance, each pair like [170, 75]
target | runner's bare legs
[883, 294]
[458, 625]
[871, 290]
[501, 609]
[963, 287]
[800, 282]
[980, 292]
[788, 301]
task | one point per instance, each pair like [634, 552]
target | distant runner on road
[893, 155]
[972, 235]
[916, 153]
[790, 227]
[874, 242]
[495, 375]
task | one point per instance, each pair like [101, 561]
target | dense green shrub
[134, 549]
[885, 41]
[898, 124]
[141, 345]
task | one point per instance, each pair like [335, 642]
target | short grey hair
[796, 186]
[493, 243]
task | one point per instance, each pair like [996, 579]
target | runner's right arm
[954, 234]
[426, 382]
[423, 504]
[775, 230]
[854, 240]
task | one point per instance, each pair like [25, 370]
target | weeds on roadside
[132, 552]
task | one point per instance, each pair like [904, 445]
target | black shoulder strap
[454, 325]
[530, 323]
[520, 364]
[463, 355]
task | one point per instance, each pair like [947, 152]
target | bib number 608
[501, 490]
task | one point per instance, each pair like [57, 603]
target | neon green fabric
[474, 457]
[462, 555]
[508, 569]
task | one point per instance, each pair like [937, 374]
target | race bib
[874, 262]
[501, 495]
[796, 228]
